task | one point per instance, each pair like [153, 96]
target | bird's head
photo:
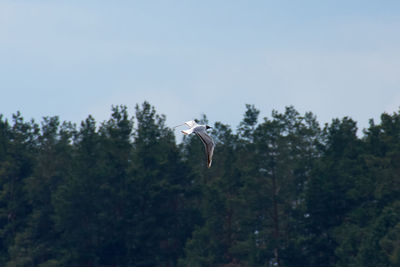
[208, 127]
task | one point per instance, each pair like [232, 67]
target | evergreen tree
[36, 242]
[163, 187]
[328, 196]
[78, 202]
[18, 150]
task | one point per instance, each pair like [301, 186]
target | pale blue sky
[75, 58]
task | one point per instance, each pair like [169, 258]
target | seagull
[200, 131]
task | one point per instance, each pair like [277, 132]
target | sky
[77, 58]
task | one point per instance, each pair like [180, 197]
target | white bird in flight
[200, 131]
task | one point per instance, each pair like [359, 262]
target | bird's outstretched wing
[209, 146]
[191, 123]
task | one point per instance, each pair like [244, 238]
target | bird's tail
[187, 132]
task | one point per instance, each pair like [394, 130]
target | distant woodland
[282, 191]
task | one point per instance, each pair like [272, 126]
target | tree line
[282, 191]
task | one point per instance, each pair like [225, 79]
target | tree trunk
[276, 218]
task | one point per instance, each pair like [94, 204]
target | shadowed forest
[282, 191]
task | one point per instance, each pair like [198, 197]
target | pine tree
[36, 243]
[328, 196]
[18, 150]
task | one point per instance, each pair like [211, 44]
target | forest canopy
[283, 191]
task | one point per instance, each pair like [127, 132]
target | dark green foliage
[123, 193]
[16, 165]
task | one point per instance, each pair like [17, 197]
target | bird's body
[201, 132]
